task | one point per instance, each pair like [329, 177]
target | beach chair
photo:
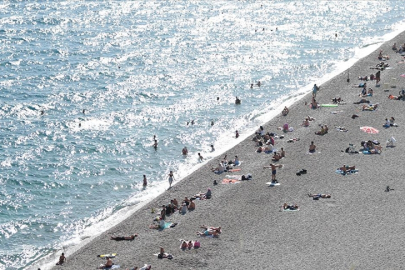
[390, 142]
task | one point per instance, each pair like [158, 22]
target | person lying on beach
[365, 78]
[145, 267]
[363, 100]
[341, 129]
[376, 150]
[120, 238]
[203, 196]
[107, 265]
[289, 207]
[345, 169]
[208, 233]
[396, 97]
[369, 107]
[317, 196]
[267, 149]
[337, 100]
[210, 228]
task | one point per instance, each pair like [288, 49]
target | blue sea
[85, 85]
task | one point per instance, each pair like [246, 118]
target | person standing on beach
[273, 171]
[145, 181]
[315, 89]
[237, 134]
[171, 178]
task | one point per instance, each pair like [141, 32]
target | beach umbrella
[370, 130]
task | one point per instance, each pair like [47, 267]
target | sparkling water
[86, 85]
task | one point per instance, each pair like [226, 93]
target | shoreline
[196, 184]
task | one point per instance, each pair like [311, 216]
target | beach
[359, 227]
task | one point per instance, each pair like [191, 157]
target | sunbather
[109, 263]
[120, 238]
[362, 101]
[345, 169]
[290, 207]
[210, 228]
[369, 107]
[208, 233]
[317, 196]
[305, 123]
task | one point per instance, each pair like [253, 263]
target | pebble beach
[359, 227]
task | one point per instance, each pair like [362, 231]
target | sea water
[85, 85]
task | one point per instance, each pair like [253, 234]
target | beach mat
[272, 184]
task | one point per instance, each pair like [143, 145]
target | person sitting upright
[62, 259]
[312, 147]
[285, 111]
[109, 263]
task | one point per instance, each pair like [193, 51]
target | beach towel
[112, 255]
[165, 255]
[234, 170]
[272, 184]
[240, 176]
[289, 210]
[339, 171]
[115, 266]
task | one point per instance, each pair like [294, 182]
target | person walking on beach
[273, 171]
[171, 178]
[237, 134]
[145, 181]
[315, 89]
[200, 157]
